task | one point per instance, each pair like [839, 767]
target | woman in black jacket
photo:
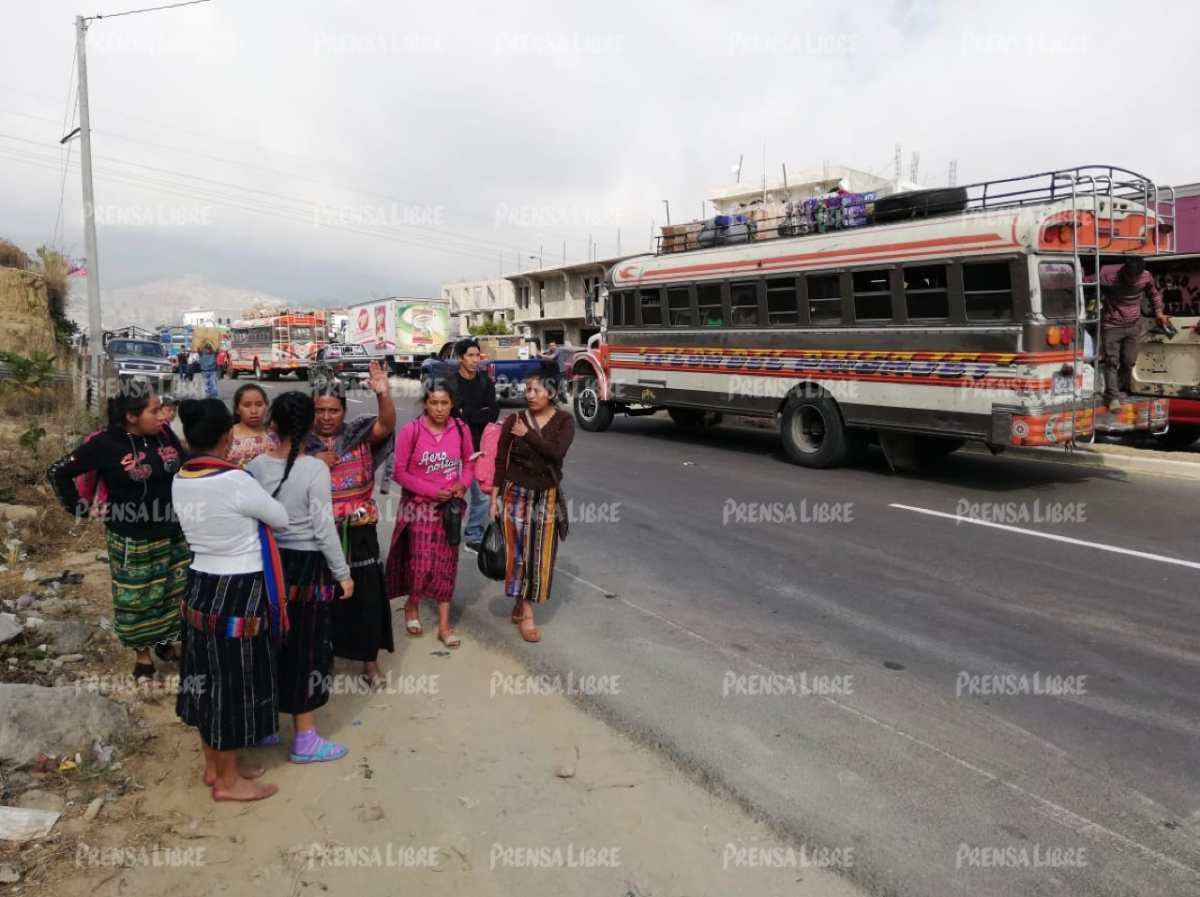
[135, 458]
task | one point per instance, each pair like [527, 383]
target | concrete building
[472, 302]
[549, 301]
[198, 318]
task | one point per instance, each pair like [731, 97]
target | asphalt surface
[701, 569]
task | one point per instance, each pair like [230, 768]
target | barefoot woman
[230, 628]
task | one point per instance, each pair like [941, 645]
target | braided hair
[293, 414]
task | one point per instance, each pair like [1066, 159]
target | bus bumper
[1062, 426]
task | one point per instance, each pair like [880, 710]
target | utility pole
[95, 329]
[667, 203]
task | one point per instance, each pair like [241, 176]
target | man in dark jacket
[475, 404]
[1123, 289]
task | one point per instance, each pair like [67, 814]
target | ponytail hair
[292, 414]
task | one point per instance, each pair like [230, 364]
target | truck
[507, 360]
[403, 332]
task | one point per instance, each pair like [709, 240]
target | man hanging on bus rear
[1123, 289]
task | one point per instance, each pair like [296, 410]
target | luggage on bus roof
[920, 204]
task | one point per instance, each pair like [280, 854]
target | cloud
[429, 125]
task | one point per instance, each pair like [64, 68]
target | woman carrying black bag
[527, 497]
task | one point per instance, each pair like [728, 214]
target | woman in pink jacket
[434, 467]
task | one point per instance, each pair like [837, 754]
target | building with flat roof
[549, 301]
[474, 302]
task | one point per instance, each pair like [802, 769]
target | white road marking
[1101, 546]
[1060, 814]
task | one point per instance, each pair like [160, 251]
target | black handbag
[491, 556]
[452, 520]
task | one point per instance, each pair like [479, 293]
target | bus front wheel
[814, 434]
[591, 412]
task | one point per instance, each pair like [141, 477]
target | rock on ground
[59, 721]
[10, 628]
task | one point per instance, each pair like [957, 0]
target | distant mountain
[164, 301]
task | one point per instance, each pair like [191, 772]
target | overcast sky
[247, 141]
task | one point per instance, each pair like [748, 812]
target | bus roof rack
[811, 215]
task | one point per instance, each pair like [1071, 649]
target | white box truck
[403, 332]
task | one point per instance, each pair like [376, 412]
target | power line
[65, 155]
[134, 12]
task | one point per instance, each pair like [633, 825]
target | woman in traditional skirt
[250, 435]
[529, 460]
[314, 569]
[353, 451]
[134, 458]
[232, 617]
[433, 464]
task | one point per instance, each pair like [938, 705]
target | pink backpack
[485, 460]
[90, 487]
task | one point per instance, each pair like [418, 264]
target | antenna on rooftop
[897, 163]
[952, 175]
[916, 164]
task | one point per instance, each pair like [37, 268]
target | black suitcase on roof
[920, 204]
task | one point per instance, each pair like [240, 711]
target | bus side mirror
[596, 297]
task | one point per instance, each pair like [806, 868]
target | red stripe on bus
[871, 354]
[983, 383]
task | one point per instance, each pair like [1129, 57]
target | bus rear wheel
[814, 434]
[591, 412]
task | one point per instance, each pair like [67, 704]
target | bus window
[1057, 282]
[708, 302]
[925, 293]
[616, 310]
[872, 296]
[782, 310]
[825, 299]
[651, 308]
[629, 300]
[743, 303]
[679, 307]
[987, 289]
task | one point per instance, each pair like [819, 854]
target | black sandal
[165, 651]
[144, 672]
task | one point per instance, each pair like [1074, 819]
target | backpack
[485, 462]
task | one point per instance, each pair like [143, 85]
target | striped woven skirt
[530, 541]
[306, 656]
[362, 624]
[148, 579]
[421, 562]
[227, 673]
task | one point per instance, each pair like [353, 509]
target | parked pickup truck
[501, 359]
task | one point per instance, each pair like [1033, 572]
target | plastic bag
[491, 558]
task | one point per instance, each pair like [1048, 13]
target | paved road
[710, 561]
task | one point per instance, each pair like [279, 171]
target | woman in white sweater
[314, 568]
[231, 626]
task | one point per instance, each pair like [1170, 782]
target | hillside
[163, 301]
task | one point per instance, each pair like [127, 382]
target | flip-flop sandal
[269, 791]
[166, 652]
[326, 751]
[518, 614]
[413, 627]
[144, 673]
[450, 640]
[530, 634]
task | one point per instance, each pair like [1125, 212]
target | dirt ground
[460, 787]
